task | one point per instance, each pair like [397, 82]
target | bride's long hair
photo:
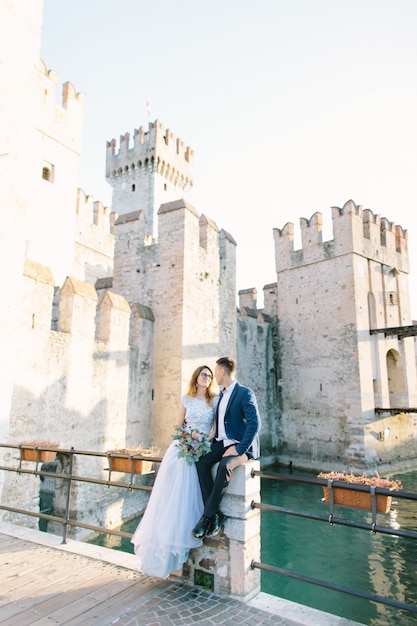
[192, 385]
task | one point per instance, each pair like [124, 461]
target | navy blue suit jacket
[242, 421]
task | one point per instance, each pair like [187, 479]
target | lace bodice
[198, 414]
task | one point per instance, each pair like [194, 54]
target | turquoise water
[360, 559]
[383, 565]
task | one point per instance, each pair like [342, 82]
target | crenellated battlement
[49, 80]
[355, 230]
[376, 226]
[81, 314]
[153, 151]
[63, 120]
[93, 213]
[155, 136]
[94, 239]
[248, 298]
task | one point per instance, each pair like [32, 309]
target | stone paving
[178, 605]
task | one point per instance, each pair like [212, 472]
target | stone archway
[395, 378]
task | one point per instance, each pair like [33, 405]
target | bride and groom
[184, 506]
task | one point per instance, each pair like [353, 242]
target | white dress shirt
[221, 431]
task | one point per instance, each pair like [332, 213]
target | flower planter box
[137, 466]
[43, 456]
[358, 499]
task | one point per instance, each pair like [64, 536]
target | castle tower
[335, 374]
[55, 151]
[172, 261]
[157, 169]
[20, 22]
[183, 280]
[39, 147]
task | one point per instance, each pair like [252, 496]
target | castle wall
[72, 385]
[227, 295]
[318, 384]
[141, 368]
[390, 438]
[333, 372]
[255, 366]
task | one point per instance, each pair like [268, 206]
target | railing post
[67, 503]
[226, 560]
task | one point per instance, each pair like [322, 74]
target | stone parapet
[114, 319]
[226, 559]
[77, 305]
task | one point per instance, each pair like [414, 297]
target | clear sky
[291, 106]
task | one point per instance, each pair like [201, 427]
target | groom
[237, 427]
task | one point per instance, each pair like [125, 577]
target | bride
[163, 537]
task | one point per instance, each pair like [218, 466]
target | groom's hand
[230, 451]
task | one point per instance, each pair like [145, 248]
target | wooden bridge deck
[45, 583]
[41, 585]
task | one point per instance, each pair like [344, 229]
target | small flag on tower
[148, 106]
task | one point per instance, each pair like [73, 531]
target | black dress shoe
[216, 525]
[200, 529]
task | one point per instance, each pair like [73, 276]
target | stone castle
[106, 312]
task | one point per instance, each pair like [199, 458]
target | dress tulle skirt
[163, 538]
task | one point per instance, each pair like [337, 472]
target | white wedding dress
[163, 537]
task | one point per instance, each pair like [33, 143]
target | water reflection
[392, 518]
[118, 543]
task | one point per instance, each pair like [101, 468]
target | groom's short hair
[227, 363]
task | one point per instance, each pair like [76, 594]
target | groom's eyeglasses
[204, 375]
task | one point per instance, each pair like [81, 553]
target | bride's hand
[211, 434]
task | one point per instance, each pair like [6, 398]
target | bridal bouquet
[192, 444]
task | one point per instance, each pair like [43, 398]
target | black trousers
[213, 490]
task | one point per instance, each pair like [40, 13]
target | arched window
[48, 171]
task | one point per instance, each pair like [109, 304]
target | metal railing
[69, 478]
[331, 519]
